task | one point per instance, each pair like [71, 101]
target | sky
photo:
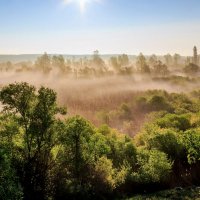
[111, 26]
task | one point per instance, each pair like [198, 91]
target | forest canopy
[46, 154]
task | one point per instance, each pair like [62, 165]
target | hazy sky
[111, 26]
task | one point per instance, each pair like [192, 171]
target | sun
[81, 3]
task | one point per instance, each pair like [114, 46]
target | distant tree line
[95, 66]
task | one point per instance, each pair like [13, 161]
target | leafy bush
[153, 167]
[191, 141]
[178, 122]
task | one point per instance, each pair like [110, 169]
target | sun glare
[81, 3]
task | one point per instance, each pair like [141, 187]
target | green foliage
[168, 142]
[122, 148]
[51, 158]
[105, 175]
[76, 139]
[179, 193]
[175, 136]
[178, 122]
[124, 111]
[157, 103]
[18, 97]
[35, 117]
[153, 166]
[182, 103]
[95, 157]
[191, 141]
[9, 186]
[164, 140]
[154, 100]
[82, 149]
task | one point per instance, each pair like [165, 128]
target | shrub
[153, 167]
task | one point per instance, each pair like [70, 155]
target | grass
[191, 193]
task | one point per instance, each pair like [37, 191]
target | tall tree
[43, 63]
[153, 60]
[59, 63]
[142, 64]
[168, 59]
[77, 138]
[176, 59]
[35, 114]
[195, 56]
[160, 69]
[123, 60]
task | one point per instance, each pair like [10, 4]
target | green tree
[173, 121]
[122, 148]
[153, 167]
[104, 176]
[35, 114]
[191, 141]
[125, 111]
[9, 182]
[157, 103]
[77, 140]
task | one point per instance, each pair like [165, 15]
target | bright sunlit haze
[111, 26]
[99, 99]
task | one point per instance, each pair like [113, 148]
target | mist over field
[126, 123]
[99, 100]
[95, 86]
